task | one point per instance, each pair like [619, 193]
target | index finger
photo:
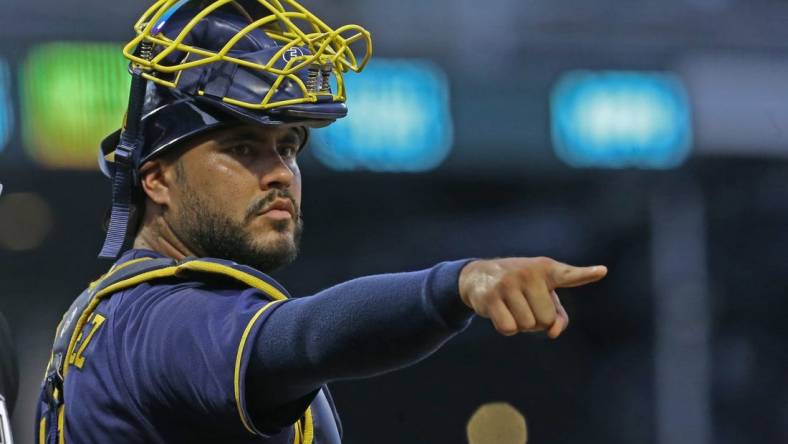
[562, 275]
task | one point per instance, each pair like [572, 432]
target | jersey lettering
[94, 323]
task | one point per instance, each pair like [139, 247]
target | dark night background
[683, 342]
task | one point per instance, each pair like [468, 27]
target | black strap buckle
[124, 154]
[52, 383]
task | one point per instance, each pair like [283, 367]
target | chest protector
[51, 413]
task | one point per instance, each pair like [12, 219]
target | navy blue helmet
[198, 65]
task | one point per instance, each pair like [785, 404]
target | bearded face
[236, 195]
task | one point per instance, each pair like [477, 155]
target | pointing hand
[518, 294]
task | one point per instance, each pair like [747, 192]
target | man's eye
[241, 150]
[288, 151]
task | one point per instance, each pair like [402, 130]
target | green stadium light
[73, 94]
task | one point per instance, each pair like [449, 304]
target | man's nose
[277, 174]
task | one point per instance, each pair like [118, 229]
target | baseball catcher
[185, 339]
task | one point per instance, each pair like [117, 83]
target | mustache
[266, 200]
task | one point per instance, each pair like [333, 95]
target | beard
[214, 234]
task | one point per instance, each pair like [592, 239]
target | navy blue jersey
[212, 360]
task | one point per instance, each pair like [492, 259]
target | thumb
[566, 276]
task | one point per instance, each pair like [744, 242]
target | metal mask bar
[328, 47]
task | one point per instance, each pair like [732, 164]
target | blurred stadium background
[646, 135]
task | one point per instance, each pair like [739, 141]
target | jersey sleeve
[182, 348]
[360, 328]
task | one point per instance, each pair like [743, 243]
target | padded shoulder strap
[242, 273]
[140, 270]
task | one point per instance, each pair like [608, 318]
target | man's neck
[158, 236]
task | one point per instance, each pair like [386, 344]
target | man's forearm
[357, 329]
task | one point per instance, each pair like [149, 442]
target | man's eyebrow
[292, 136]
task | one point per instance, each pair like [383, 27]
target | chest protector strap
[51, 418]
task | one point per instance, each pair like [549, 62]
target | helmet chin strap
[127, 154]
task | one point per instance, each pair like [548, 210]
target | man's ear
[157, 181]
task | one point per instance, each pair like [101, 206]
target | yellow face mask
[304, 45]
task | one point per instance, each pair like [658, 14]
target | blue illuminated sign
[398, 121]
[621, 119]
[6, 107]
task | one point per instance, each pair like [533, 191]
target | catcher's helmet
[197, 65]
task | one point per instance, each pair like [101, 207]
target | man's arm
[375, 324]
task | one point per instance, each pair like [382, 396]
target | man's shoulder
[150, 279]
[193, 288]
[150, 272]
